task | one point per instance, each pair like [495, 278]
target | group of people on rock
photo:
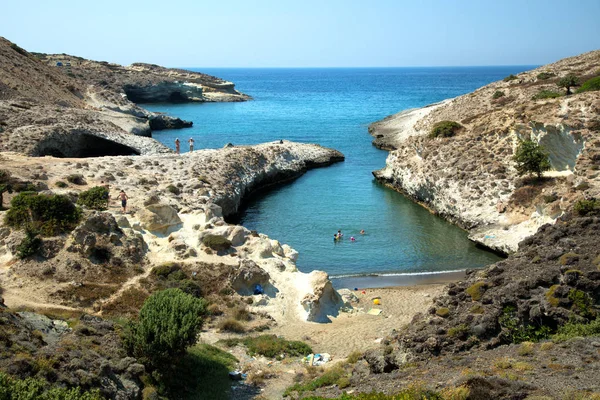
[178, 145]
[339, 235]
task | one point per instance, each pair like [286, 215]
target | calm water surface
[333, 107]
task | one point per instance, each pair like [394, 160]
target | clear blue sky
[307, 33]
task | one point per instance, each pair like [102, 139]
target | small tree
[531, 158]
[95, 198]
[170, 321]
[568, 82]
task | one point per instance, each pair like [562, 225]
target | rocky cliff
[470, 178]
[80, 108]
[176, 202]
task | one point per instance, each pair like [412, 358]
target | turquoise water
[333, 107]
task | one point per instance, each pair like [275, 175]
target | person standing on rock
[191, 142]
[177, 144]
[124, 199]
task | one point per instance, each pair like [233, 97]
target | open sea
[333, 107]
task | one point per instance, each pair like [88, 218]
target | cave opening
[82, 146]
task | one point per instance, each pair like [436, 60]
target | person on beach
[177, 144]
[191, 143]
[123, 197]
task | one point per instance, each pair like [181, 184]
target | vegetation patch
[330, 377]
[202, 373]
[216, 242]
[442, 312]
[33, 388]
[459, 331]
[231, 325]
[568, 82]
[568, 258]
[445, 129]
[546, 94]
[476, 290]
[95, 198]
[173, 189]
[30, 244]
[531, 158]
[545, 75]
[509, 78]
[572, 329]
[514, 331]
[47, 214]
[497, 94]
[477, 309]
[76, 179]
[590, 85]
[271, 346]
[550, 296]
[61, 184]
[526, 349]
[169, 322]
[584, 207]
[582, 303]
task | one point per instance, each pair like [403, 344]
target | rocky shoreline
[470, 179]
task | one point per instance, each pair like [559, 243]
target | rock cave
[81, 146]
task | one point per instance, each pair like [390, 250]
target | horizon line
[373, 67]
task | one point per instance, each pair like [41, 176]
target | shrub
[497, 94]
[545, 75]
[568, 82]
[459, 331]
[582, 303]
[590, 85]
[95, 198]
[546, 94]
[32, 388]
[354, 357]
[272, 346]
[509, 78]
[531, 158]
[165, 270]
[444, 129]
[477, 309]
[61, 184]
[551, 298]
[30, 244]
[476, 290]
[47, 214]
[585, 207]
[76, 179]
[231, 325]
[173, 189]
[216, 242]
[169, 322]
[513, 331]
[525, 349]
[568, 258]
[242, 314]
[442, 312]
[573, 329]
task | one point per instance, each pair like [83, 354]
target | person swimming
[352, 239]
[362, 231]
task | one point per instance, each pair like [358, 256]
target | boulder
[159, 217]
[247, 276]
[212, 210]
[290, 253]
[238, 235]
[324, 301]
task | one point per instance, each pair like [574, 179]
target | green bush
[76, 179]
[590, 85]
[509, 78]
[216, 242]
[169, 322]
[476, 290]
[545, 75]
[30, 244]
[582, 303]
[164, 270]
[568, 82]
[497, 94]
[572, 329]
[61, 184]
[173, 189]
[546, 94]
[531, 158]
[444, 129]
[95, 198]
[272, 346]
[585, 207]
[38, 389]
[47, 214]
[231, 325]
[513, 331]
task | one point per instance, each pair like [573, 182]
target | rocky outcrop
[322, 301]
[159, 217]
[470, 178]
[83, 111]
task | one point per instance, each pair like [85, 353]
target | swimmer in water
[352, 239]
[362, 231]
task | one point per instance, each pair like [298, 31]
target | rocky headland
[67, 106]
[470, 178]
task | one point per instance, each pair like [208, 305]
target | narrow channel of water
[333, 107]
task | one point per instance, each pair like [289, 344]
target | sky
[307, 33]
